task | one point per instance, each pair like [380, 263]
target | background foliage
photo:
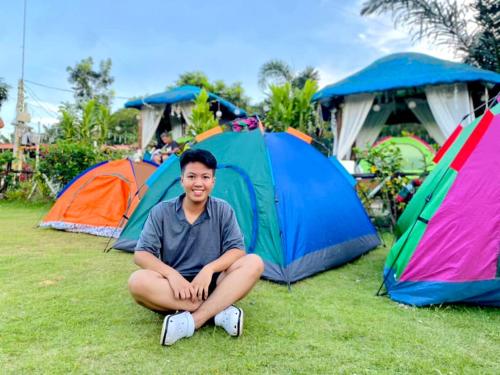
[291, 107]
[91, 84]
[64, 160]
[4, 92]
[446, 22]
[277, 72]
[234, 93]
[202, 117]
[87, 125]
[385, 165]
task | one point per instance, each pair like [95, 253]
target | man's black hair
[201, 156]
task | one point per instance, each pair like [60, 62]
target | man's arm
[225, 260]
[148, 261]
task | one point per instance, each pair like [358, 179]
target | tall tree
[446, 22]
[234, 93]
[195, 78]
[4, 92]
[90, 83]
[278, 72]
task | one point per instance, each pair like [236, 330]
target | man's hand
[181, 287]
[201, 283]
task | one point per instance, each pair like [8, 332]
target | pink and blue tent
[449, 245]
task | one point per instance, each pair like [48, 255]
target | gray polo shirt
[188, 247]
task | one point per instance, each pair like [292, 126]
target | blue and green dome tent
[296, 210]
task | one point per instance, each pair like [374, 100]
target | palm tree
[445, 22]
[278, 72]
[4, 91]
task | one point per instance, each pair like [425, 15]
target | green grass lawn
[64, 307]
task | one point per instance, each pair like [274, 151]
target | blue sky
[151, 42]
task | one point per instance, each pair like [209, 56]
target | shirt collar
[180, 199]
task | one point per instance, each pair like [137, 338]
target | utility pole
[22, 115]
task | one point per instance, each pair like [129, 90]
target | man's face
[198, 182]
[166, 139]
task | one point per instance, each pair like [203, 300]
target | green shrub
[6, 158]
[64, 160]
[6, 179]
[385, 163]
[23, 190]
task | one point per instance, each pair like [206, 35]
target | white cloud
[385, 40]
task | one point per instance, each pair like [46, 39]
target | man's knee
[254, 264]
[138, 281]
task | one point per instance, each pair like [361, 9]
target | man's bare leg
[233, 285]
[152, 290]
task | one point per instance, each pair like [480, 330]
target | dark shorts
[213, 283]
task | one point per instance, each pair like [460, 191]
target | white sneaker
[176, 326]
[231, 319]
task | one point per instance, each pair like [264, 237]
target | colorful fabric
[241, 124]
[449, 247]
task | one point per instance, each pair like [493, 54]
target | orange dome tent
[100, 199]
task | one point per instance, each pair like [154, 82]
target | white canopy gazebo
[171, 111]
[440, 94]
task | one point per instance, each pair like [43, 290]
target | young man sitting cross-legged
[192, 256]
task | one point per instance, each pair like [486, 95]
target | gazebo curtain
[354, 114]
[187, 112]
[449, 104]
[423, 113]
[150, 117]
[373, 125]
[178, 112]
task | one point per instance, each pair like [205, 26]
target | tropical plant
[278, 72]
[291, 107]
[102, 123]
[447, 22]
[67, 122]
[88, 122]
[202, 118]
[89, 125]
